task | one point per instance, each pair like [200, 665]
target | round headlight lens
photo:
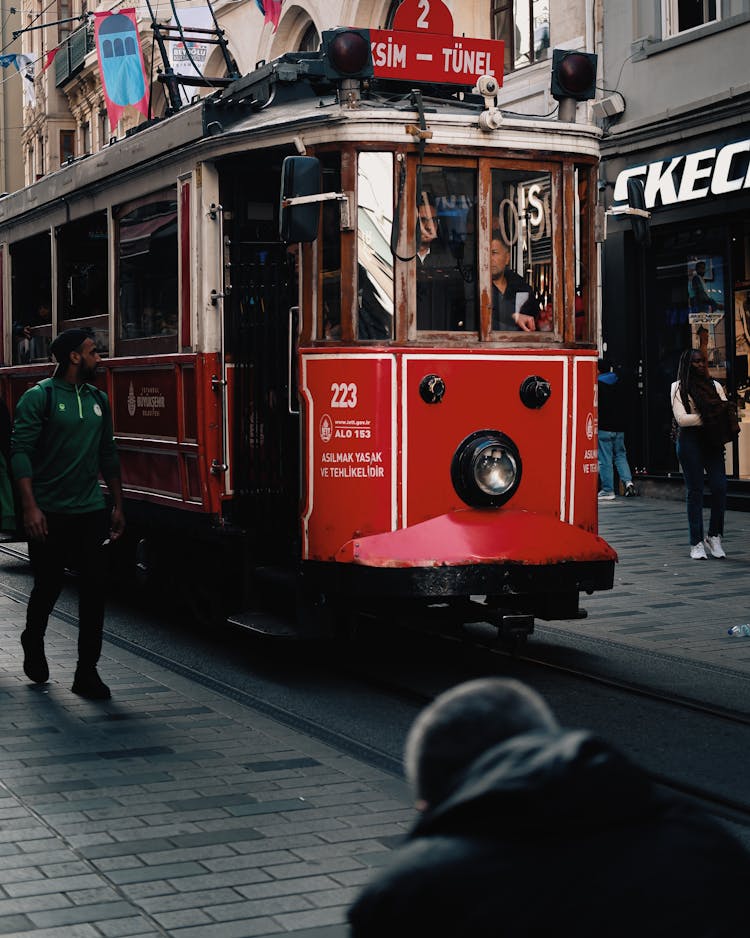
[486, 469]
[494, 468]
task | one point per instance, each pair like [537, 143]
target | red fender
[482, 536]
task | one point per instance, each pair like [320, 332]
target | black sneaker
[87, 683]
[630, 490]
[34, 662]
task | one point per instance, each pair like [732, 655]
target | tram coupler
[515, 628]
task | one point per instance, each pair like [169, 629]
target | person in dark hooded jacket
[528, 830]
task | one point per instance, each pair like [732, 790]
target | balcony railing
[69, 60]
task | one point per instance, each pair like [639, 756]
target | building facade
[69, 118]
[678, 88]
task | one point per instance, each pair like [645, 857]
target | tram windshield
[521, 251]
[446, 253]
[455, 249]
[374, 257]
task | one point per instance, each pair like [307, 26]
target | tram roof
[232, 121]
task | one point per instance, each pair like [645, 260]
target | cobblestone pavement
[173, 810]
[664, 601]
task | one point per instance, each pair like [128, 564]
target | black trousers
[73, 541]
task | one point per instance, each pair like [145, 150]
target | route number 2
[343, 395]
[424, 6]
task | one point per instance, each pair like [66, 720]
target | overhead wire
[187, 4]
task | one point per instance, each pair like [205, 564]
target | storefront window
[705, 290]
[741, 269]
[685, 308]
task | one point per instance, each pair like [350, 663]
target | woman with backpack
[700, 410]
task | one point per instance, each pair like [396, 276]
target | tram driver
[514, 304]
[444, 302]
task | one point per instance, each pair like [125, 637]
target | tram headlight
[486, 469]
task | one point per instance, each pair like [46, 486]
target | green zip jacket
[64, 456]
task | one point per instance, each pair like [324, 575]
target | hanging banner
[123, 72]
[25, 65]
[189, 57]
[273, 12]
[50, 58]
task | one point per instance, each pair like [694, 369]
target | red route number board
[422, 47]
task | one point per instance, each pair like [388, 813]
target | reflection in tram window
[446, 260]
[522, 229]
[147, 277]
[375, 260]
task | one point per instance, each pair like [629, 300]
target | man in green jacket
[62, 440]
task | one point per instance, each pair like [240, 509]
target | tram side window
[330, 247]
[374, 257]
[446, 260]
[521, 251]
[31, 298]
[82, 277]
[147, 286]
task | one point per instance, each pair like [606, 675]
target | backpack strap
[46, 385]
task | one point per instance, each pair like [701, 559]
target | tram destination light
[573, 75]
[347, 54]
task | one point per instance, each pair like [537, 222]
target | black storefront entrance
[690, 288]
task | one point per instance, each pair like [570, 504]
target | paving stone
[81, 914]
[246, 929]
[172, 810]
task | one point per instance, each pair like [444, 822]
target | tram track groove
[728, 808]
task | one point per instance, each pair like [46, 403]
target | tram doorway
[260, 310]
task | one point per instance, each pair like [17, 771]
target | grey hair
[462, 723]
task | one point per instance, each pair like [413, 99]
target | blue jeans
[696, 456]
[612, 450]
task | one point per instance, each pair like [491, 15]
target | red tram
[342, 415]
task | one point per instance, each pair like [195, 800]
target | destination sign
[444, 59]
[422, 48]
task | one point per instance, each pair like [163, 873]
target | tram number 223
[343, 395]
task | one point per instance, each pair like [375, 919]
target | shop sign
[688, 177]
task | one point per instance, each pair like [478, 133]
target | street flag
[273, 12]
[123, 72]
[50, 58]
[25, 65]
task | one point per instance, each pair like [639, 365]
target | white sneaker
[606, 496]
[698, 551]
[713, 543]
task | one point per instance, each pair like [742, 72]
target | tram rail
[731, 809]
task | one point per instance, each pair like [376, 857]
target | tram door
[265, 456]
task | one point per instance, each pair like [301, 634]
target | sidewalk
[172, 810]
[664, 601]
